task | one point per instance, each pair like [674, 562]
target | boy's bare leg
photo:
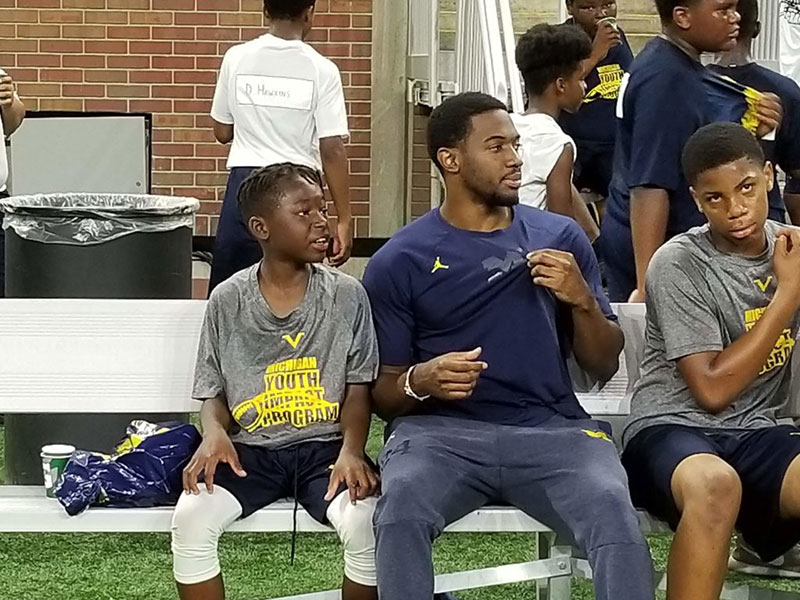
[213, 589]
[708, 493]
[355, 591]
[790, 491]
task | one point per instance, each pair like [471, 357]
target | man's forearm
[596, 341]
[649, 217]
[337, 175]
[792, 202]
[215, 415]
[355, 418]
[390, 398]
[12, 116]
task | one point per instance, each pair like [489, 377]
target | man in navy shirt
[663, 102]
[594, 126]
[784, 150]
[476, 306]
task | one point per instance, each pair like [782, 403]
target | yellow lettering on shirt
[783, 347]
[293, 395]
[609, 86]
[764, 285]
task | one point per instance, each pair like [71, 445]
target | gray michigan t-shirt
[284, 378]
[702, 300]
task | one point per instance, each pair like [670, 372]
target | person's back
[702, 446]
[273, 91]
[278, 100]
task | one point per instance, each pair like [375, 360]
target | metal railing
[766, 49]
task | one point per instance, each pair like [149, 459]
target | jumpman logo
[438, 265]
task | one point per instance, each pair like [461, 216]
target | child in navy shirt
[662, 103]
[594, 126]
[784, 150]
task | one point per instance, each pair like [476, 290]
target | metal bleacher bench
[123, 356]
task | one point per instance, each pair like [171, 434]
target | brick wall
[161, 56]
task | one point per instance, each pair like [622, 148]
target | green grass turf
[256, 566]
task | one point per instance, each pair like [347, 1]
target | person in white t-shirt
[790, 38]
[12, 112]
[278, 100]
[550, 58]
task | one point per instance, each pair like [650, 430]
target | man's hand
[606, 38]
[452, 376]
[786, 264]
[342, 242]
[7, 89]
[558, 272]
[215, 448]
[769, 111]
[352, 469]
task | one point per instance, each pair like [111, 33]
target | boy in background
[550, 59]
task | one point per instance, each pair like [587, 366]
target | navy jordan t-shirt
[436, 289]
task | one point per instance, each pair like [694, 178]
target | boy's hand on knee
[352, 469]
[215, 448]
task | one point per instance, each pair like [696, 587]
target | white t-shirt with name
[790, 39]
[282, 97]
[542, 143]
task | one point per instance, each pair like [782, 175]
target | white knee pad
[197, 523]
[353, 523]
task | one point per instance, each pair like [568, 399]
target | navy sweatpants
[435, 470]
[234, 248]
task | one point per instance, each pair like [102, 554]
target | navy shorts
[301, 471]
[234, 248]
[760, 457]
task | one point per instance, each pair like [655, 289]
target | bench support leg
[548, 545]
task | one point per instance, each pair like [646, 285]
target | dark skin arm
[597, 342]
[351, 466]
[564, 199]
[649, 216]
[337, 174]
[792, 202]
[223, 132]
[12, 110]
[716, 379]
[216, 447]
[450, 377]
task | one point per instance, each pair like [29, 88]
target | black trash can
[90, 246]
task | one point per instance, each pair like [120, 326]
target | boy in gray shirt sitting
[286, 356]
[703, 449]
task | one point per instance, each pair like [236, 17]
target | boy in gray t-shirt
[703, 450]
[286, 356]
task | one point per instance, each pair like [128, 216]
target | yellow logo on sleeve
[293, 395]
[439, 265]
[293, 341]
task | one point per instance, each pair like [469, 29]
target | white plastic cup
[54, 459]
